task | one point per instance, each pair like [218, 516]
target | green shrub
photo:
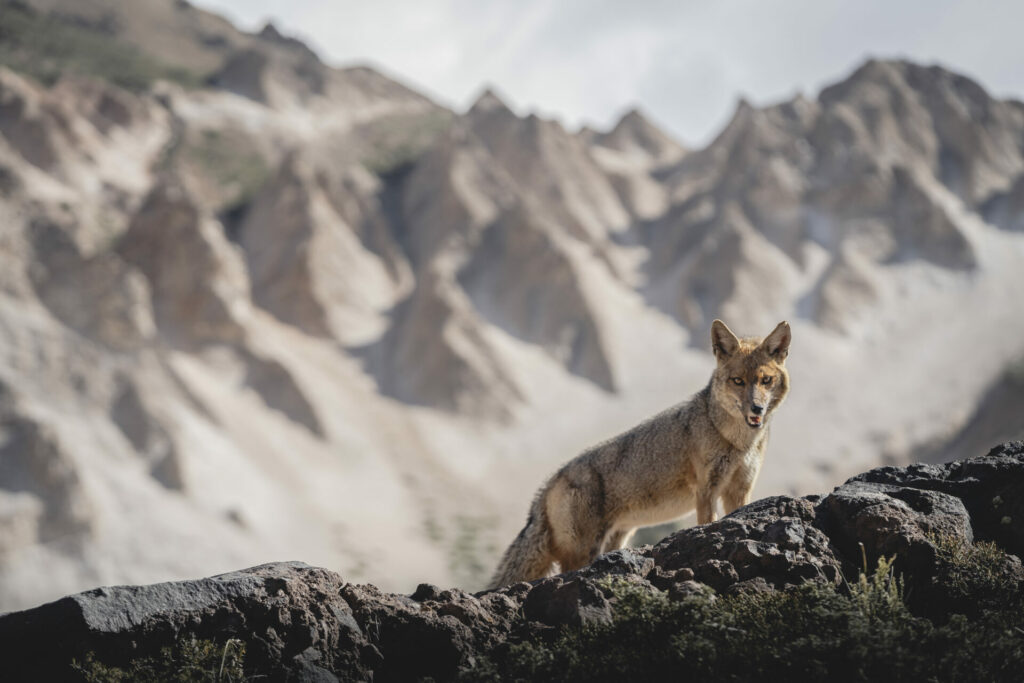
[862, 631]
[976, 578]
[187, 661]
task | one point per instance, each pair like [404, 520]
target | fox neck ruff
[733, 429]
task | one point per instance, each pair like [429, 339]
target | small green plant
[189, 660]
[881, 594]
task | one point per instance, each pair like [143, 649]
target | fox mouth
[755, 421]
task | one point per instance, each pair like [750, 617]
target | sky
[685, 64]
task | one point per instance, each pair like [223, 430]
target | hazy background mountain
[254, 307]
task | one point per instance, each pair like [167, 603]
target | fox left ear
[777, 343]
[723, 342]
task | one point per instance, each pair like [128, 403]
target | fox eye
[767, 380]
[737, 381]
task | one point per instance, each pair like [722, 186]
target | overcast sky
[684, 63]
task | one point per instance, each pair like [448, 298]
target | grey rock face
[454, 367]
[199, 284]
[149, 438]
[28, 123]
[305, 253]
[279, 390]
[305, 623]
[521, 280]
[35, 463]
[100, 296]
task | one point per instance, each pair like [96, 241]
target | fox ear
[777, 343]
[723, 342]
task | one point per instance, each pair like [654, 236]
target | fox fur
[682, 459]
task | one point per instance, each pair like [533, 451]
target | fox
[685, 457]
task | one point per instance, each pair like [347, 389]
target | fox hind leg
[570, 559]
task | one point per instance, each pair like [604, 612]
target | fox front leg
[735, 497]
[706, 507]
[709, 490]
[707, 497]
[737, 492]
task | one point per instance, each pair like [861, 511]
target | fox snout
[755, 420]
[755, 416]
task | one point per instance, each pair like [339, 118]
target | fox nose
[756, 409]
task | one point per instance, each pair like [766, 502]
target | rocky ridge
[305, 623]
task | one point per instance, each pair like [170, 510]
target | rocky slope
[995, 418]
[304, 623]
[314, 314]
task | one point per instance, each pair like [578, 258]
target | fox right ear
[777, 343]
[723, 342]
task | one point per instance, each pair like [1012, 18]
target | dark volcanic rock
[290, 615]
[892, 520]
[773, 539]
[305, 623]
[575, 602]
[991, 488]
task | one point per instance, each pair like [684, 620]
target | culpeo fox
[683, 458]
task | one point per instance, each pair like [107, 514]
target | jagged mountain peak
[742, 114]
[271, 34]
[634, 131]
[900, 74]
[940, 118]
[488, 101]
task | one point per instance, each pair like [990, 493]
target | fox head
[751, 379]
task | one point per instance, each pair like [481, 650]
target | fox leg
[602, 542]
[733, 498]
[570, 559]
[706, 512]
[709, 489]
[737, 492]
[580, 553]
